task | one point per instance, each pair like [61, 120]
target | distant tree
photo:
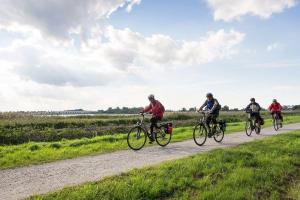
[183, 110]
[192, 109]
[235, 109]
[225, 108]
[296, 107]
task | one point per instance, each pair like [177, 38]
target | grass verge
[262, 169]
[12, 156]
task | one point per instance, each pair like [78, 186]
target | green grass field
[12, 156]
[265, 169]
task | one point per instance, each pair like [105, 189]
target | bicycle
[137, 136]
[252, 124]
[201, 130]
[277, 123]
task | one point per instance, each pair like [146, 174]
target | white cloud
[88, 61]
[234, 9]
[131, 4]
[57, 18]
[272, 46]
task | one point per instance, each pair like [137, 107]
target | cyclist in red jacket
[275, 107]
[157, 110]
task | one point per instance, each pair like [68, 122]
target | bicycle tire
[201, 127]
[162, 134]
[143, 137]
[248, 131]
[222, 135]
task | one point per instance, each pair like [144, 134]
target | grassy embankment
[265, 169]
[40, 152]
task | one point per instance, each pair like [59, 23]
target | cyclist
[157, 110]
[275, 107]
[254, 109]
[213, 108]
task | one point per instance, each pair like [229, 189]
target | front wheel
[200, 134]
[275, 124]
[248, 127]
[162, 138]
[219, 135]
[136, 138]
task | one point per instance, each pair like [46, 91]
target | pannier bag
[222, 125]
[169, 128]
[262, 121]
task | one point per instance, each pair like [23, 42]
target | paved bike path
[37, 179]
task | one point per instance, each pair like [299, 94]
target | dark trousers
[279, 115]
[211, 118]
[256, 116]
[154, 121]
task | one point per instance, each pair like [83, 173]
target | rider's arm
[280, 107]
[247, 109]
[216, 103]
[148, 108]
[203, 105]
[259, 108]
[270, 107]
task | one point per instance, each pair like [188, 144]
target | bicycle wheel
[200, 134]
[257, 129]
[136, 138]
[275, 124]
[219, 135]
[248, 127]
[162, 138]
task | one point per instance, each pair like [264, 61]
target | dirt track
[23, 182]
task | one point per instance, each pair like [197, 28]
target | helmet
[274, 100]
[209, 95]
[151, 96]
[252, 99]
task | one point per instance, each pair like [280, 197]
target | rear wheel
[162, 138]
[136, 138]
[257, 129]
[200, 134]
[219, 135]
[248, 127]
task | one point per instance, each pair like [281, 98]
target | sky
[95, 54]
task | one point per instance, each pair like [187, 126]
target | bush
[34, 147]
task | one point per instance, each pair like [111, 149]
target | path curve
[38, 179]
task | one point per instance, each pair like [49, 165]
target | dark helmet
[274, 100]
[252, 99]
[209, 95]
[151, 97]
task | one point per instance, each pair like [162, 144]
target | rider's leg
[280, 116]
[153, 125]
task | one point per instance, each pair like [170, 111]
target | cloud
[163, 50]
[121, 55]
[57, 18]
[131, 4]
[235, 9]
[61, 76]
[272, 46]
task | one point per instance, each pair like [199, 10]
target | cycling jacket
[156, 109]
[253, 107]
[212, 105]
[275, 107]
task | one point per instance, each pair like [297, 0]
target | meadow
[28, 153]
[264, 169]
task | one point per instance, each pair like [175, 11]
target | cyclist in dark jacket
[212, 107]
[254, 110]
